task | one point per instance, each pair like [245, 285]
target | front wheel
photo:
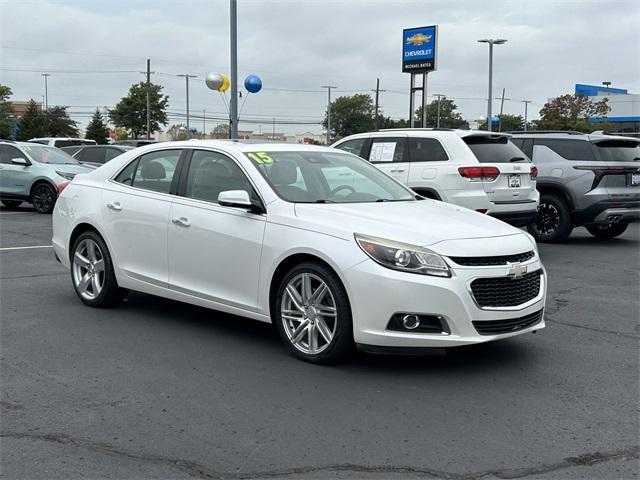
[553, 222]
[92, 272]
[610, 230]
[313, 315]
[43, 198]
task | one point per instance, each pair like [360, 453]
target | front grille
[490, 261]
[496, 327]
[506, 291]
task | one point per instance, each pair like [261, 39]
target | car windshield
[619, 150]
[494, 149]
[45, 154]
[326, 177]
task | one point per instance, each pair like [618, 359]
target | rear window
[569, 149]
[618, 150]
[494, 149]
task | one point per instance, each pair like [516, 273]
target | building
[19, 108]
[625, 107]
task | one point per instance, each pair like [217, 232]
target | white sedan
[331, 250]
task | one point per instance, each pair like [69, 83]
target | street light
[607, 84]
[491, 42]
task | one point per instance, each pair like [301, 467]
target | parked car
[313, 239]
[479, 170]
[584, 180]
[34, 173]
[96, 155]
[135, 142]
[62, 141]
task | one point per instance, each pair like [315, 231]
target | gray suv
[590, 180]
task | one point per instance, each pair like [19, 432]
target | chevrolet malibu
[317, 241]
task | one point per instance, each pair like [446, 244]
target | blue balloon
[253, 83]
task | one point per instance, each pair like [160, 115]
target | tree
[33, 123]
[221, 131]
[97, 129]
[510, 123]
[351, 114]
[59, 124]
[178, 132]
[121, 134]
[388, 122]
[131, 111]
[449, 117]
[572, 112]
[7, 119]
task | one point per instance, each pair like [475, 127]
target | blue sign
[419, 49]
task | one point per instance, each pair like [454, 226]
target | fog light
[410, 322]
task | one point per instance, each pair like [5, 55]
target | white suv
[479, 170]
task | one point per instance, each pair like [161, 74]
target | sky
[94, 50]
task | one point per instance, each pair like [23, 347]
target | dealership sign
[419, 49]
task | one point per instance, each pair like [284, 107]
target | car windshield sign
[326, 177]
[52, 155]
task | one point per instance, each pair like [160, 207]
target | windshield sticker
[260, 157]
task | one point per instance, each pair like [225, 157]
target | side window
[111, 153]
[155, 170]
[126, 176]
[7, 153]
[569, 149]
[353, 146]
[518, 142]
[94, 155]
[211, 173]
[426, 150]
[386, 150]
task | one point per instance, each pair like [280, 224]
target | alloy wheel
[88, 269]
[548, 219]
[43, 198]
[308, 313]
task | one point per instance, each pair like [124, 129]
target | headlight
[68, 176]
[403, 257]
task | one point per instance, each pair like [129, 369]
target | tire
[553, 223]
[92, 274]
[610, 230]
[12, 203]
[43, 198]
[316, 330]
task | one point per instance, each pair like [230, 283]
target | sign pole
[424, 99]
[411, 100]
[419, 56]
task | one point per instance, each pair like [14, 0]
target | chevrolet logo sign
[516, 270]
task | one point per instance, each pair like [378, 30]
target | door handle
[397, 170]
[181, 221]
[114, 206]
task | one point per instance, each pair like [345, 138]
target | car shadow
[24, 208]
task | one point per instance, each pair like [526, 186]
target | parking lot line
[6, 249]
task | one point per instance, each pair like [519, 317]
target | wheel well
[282, 269]
[40, 182]
[77, 231]
[556, 191]
[427, 192]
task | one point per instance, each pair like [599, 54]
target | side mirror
[20, 161]
[235, 198]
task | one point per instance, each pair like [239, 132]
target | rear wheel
[43, 198]
[11, 203]
[610, 230]
[553, 222]
[313, 315]
[92, 272]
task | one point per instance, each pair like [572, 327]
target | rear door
[513, 183]
[390, 154]
[622, 160]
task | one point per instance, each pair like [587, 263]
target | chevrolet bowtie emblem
[516, 270]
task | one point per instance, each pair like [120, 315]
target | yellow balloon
[226, 83]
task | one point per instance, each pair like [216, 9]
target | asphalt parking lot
[159, 389]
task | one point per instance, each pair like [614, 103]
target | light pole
[439, 96]
[491, 42]
[233, 103]
[328, 87]
[607, 84]
[187, 77]
[46, 93]
[526, 104]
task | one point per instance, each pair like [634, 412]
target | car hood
[447, 229]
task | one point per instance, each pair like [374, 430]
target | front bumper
[377, 293]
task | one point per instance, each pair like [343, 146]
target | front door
[214, 251]
[14, 179]
[389, 154]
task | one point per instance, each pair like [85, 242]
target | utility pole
[233, 104]
[273, 129]
[439, 96]
[377, 91]
[204, 124]
[187, 77]
[526, 104]
[148, 99]
[328, 87]
[46, 93]
[491, 42]
[502, 99]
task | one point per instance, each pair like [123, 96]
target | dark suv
[590, 180]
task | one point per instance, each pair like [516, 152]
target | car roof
[432, 133]
[238, 145]
[571, 135]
